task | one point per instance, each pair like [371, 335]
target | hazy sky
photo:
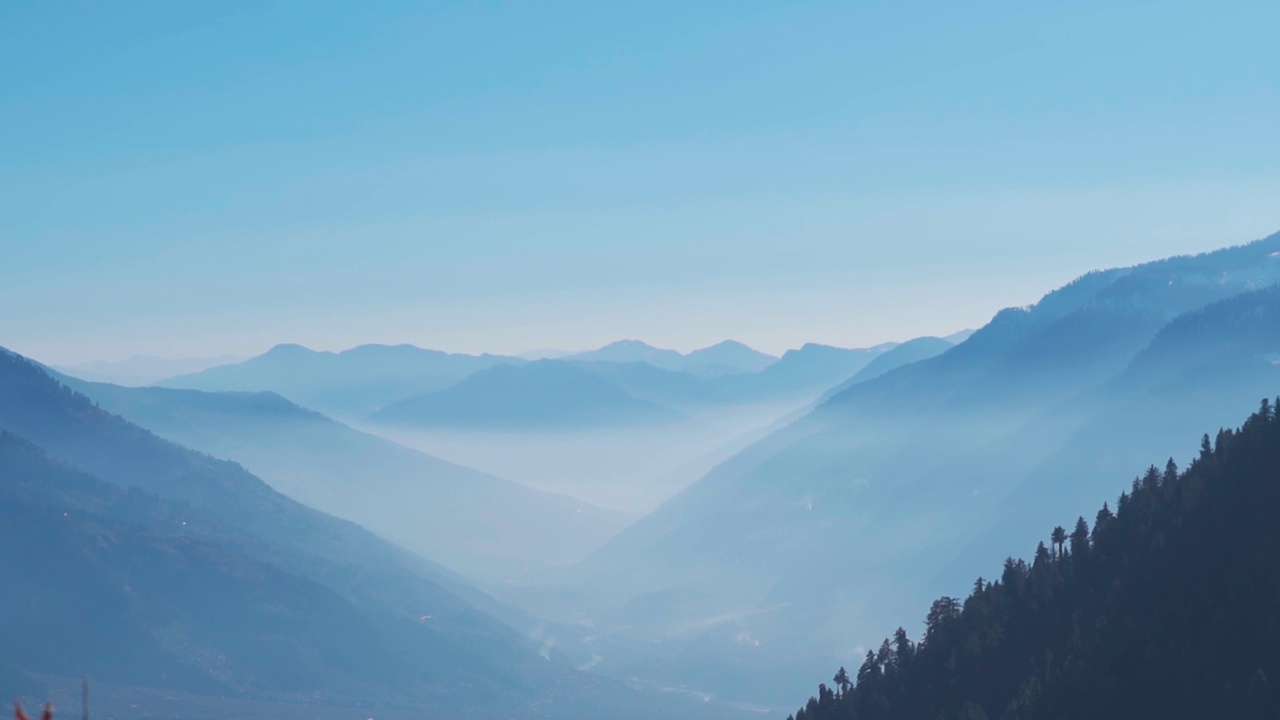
[208, 178]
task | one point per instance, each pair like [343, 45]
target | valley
[640, 361]
[781, 513]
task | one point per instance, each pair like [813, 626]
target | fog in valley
[630, 470]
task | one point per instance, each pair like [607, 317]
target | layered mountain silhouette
[804, 372]
[145, 563]
[624, 384]
[725, 358]
[471, 521]
[1197, 371]
[912, 351]
[146, 369]
[900, 480]
[667, 388]
[351, 383]
[908, 352]
[919, 461]
[627, 351]
[546, 394]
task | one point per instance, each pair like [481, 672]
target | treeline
[1168, 607]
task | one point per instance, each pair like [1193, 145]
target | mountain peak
[289, 349]
[727, 357]
[632, 351]
[632, 344]
[728, 345]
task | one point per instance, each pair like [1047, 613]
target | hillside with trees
[1168, 606]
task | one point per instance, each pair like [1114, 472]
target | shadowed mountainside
[1166, 608]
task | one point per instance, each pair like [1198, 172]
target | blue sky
[187, 179]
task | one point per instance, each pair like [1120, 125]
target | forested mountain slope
[1201, 370]
[904, 479]
[1168, 607]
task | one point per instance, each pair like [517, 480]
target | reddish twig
[20, 714]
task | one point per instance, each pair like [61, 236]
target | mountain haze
[145, 369]
[471, 521]
[728, 357]
[329, 593]
[124, 587]
[805, 372]
[911, 351]
[901, 478]
[542, 395]
[351, 383]
[908, 352]
[632, 351]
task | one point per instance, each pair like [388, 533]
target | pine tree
[1058, 538]
[842, 681]
[1080, 539]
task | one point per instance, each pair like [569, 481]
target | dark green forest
[1167, 607]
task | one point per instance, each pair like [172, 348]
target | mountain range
[625, 384]
[147, 564]
[473, 522]
[145, 369]
[900, 480]
[724, 358]
[351, 383]
[545, 394]
[902, 468]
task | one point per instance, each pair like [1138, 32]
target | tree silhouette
[1080, 538]
[1058, 537]
[943, 610]
[842, 681]
[1042, 554]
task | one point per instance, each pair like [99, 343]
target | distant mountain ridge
[592, 391]
[728, 357]
[631, 351]
[351, 383]
[626, 383]
[808, 370]
[546, 394]
[145, 369]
